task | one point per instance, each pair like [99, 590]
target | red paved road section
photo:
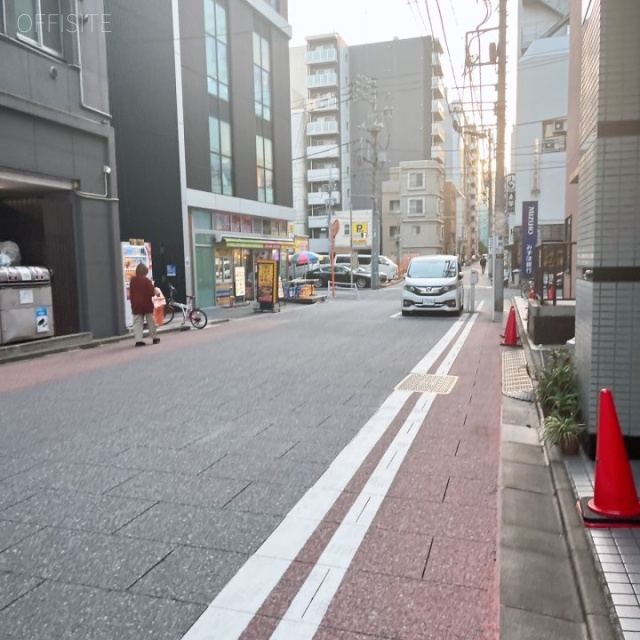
[426, 569]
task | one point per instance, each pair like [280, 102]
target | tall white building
[538, 144]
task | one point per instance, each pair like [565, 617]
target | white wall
[543, 74]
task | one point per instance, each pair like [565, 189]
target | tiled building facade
[608, 226]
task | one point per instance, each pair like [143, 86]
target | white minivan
[433, 283]
[385, 265]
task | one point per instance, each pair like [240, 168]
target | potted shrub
[557, 384]
[564, 431]
[557, 395]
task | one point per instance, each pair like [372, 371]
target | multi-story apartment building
[369, 107]
[58, 197]
[413, 212]
[201, 104]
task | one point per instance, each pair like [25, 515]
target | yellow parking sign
[360, 229]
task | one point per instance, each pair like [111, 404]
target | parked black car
[343, 275]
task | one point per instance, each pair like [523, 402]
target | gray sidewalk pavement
[552, 583]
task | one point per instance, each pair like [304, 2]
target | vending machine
[133, 253]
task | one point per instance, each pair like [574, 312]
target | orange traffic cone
[615, 502]
[510, 332]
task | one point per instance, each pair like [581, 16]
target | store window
[264, 169]
[201, 219]
[40, 22]
[221, 222]
[262, 76]
[215, 24]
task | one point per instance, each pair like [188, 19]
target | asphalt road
[135, 483]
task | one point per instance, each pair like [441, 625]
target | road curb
[37, 349]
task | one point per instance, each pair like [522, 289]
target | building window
[262, 76]
[264, 157]
[394, 232]
[416, 206]
[416, 230]
[416, 180]
[40, 21]
[220, 156]
[394, 206]
[347, 229]
[215, 24]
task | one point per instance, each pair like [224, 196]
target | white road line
[308, 608]
[238, 602]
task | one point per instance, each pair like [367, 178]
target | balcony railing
[436, 66]
[326, 103]
[316, 56]
[322, 80]
[321, 197]
[437, 110]
[323, 175]
[437, 87]
[437, 153]
[437, 134]
[318, 222]
[322, 127]
[323, 151]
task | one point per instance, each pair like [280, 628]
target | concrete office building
[57, 158]
[200, 95]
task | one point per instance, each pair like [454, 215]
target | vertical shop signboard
[267, 282]
[133, 253]
[239, 278]
[529, 237]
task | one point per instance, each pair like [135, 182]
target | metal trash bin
[26, 306]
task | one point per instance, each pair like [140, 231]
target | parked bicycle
[197, 317]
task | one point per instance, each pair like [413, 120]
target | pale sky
[364, 21]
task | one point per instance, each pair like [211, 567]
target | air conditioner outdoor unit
[550, 146]
[560, 126]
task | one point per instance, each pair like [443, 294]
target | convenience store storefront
[226, 253]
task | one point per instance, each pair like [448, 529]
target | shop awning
[250, 241]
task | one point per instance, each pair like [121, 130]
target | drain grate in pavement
[425, 382]
[516, 382]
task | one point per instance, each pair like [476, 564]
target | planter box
[549, 324]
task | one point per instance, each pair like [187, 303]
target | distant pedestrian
[483, 264]
[141, 292]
